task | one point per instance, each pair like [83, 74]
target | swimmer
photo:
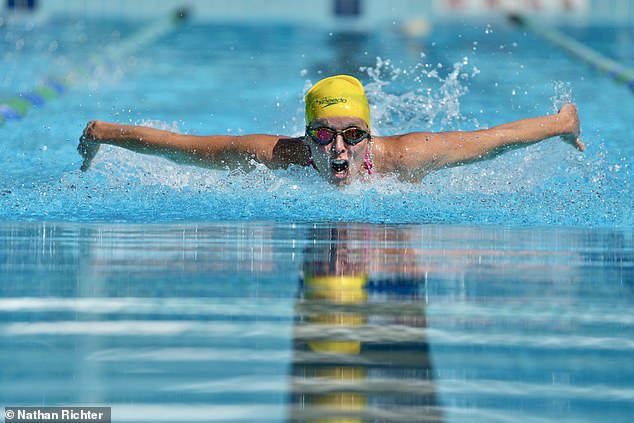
[338, 141]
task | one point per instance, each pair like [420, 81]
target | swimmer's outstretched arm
[221, 151]
[423, 152]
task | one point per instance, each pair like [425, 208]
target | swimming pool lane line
[613, 69]
[17, 106]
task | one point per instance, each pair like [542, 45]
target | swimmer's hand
[88, 146]
[571, 126]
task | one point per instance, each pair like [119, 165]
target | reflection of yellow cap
[336, 347]
[339, 290]
[339, 95]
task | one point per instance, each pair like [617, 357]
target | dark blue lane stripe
[9, 113]
[35, 99]
[16, 107]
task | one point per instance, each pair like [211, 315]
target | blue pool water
[231, 79]
[497, 292]
[212, 322]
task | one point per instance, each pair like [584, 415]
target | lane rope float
[15, 107]
[613, 69]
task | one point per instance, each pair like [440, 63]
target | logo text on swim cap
[330, 101]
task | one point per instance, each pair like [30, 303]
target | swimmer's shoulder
[401, 153]
[291, 151]
[387, 151]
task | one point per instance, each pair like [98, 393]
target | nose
[338, 146]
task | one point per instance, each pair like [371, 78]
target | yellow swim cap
[339, 95]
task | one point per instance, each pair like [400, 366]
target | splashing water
[545, 184]
[563, 94]
[435, 100]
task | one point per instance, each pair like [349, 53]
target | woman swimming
[338, 141]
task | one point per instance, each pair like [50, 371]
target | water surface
[275, 322]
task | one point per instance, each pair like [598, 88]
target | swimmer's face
[338, 161]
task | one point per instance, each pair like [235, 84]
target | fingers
[565, 107]
[572, 127]
[575, 141]
[88, 147]
[580, 145]
[89, 130]
[85, 165]
[88, 151]
[568, 106]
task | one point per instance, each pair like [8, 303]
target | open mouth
[339, 167]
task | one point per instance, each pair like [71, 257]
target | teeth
[339, 165]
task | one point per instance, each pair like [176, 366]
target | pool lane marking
[17, 106]
[613, 69]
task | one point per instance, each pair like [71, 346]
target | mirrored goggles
[323, 135]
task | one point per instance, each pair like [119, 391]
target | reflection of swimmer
[360, 353]
[338, 140]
